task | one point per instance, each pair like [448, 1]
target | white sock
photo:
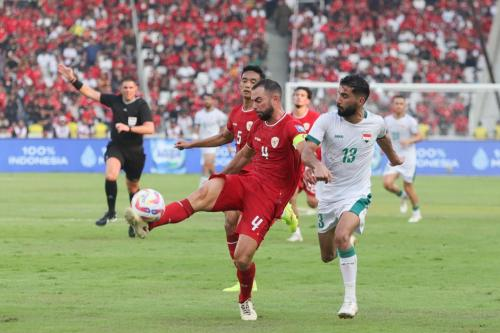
[297, 232]
[349, 269]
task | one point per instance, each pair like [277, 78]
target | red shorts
[258, 208]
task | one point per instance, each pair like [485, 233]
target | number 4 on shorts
[256, 222]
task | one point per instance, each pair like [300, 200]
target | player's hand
[181, 144]
[398, 161]
[309, 177]
[321, 173]
[66, 72]
[120, 127]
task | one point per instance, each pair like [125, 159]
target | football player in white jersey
[403, 130]
[347, 139]
[209, 121]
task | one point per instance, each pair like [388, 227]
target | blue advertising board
[473, 158]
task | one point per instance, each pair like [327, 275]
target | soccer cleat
[141, 228]
[107, 217]
[247, 311]
[415, 217]
[290, 218]
[236, 288]
[296, 236]
[403, 207]
[131, 232]
[348, 310]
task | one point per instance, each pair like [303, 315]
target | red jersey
[276, 163]
[239, 123]
[308, 120]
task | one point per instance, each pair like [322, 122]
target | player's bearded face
[346, 110]
[266, 114]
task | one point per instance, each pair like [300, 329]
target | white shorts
[406, 170]
[358, 206]
[208, 150]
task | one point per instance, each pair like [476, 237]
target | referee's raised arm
[70, 76]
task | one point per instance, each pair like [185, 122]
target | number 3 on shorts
[256, 222]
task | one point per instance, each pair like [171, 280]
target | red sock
[174, 213]
[232, 241]
[246, 282]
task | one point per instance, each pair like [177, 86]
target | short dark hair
[398, 96]
[307, 90]
[254, 68]
[129, 78]
[358, 84]
[268, 85]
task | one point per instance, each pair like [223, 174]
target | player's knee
[387, 184]
[342, 240]
[242, 262]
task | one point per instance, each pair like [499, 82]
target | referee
[132, 119]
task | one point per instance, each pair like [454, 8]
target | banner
[464, 158]
[472, 158]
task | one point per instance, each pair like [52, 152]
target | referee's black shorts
[131, 158]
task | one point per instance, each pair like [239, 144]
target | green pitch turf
[61, 273]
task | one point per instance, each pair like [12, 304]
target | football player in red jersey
[306, 116]
[239, 122]
[274, 145]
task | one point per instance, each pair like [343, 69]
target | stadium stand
[189, 48]
[395, 41]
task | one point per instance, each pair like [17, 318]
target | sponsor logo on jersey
[275, 141]
[249, 125]
[235, 124]
[338, 136]
[124, 109]
[367, 136]
[258, 139]
[300, 128]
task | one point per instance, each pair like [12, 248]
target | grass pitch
[61, 273]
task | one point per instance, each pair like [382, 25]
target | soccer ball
[148, 204]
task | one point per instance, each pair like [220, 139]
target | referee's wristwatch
[130, 129]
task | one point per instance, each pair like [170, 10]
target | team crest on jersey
[275, 141]
[367, 136]
[249, 125]
[307, 126]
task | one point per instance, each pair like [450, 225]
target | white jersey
[210, 122]
[402, 129]
[347, 151]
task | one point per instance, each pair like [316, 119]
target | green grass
[60, 273]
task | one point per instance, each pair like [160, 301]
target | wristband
[77, 84]
[130, 129]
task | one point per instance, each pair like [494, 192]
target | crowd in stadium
[195, 47]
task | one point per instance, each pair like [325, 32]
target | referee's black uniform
[127, 146]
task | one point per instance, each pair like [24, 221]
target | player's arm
[311, 145]
[242, 158]
[85, 90]
[223, 137]
[413, 139]
[308, 155]
[386, 145]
